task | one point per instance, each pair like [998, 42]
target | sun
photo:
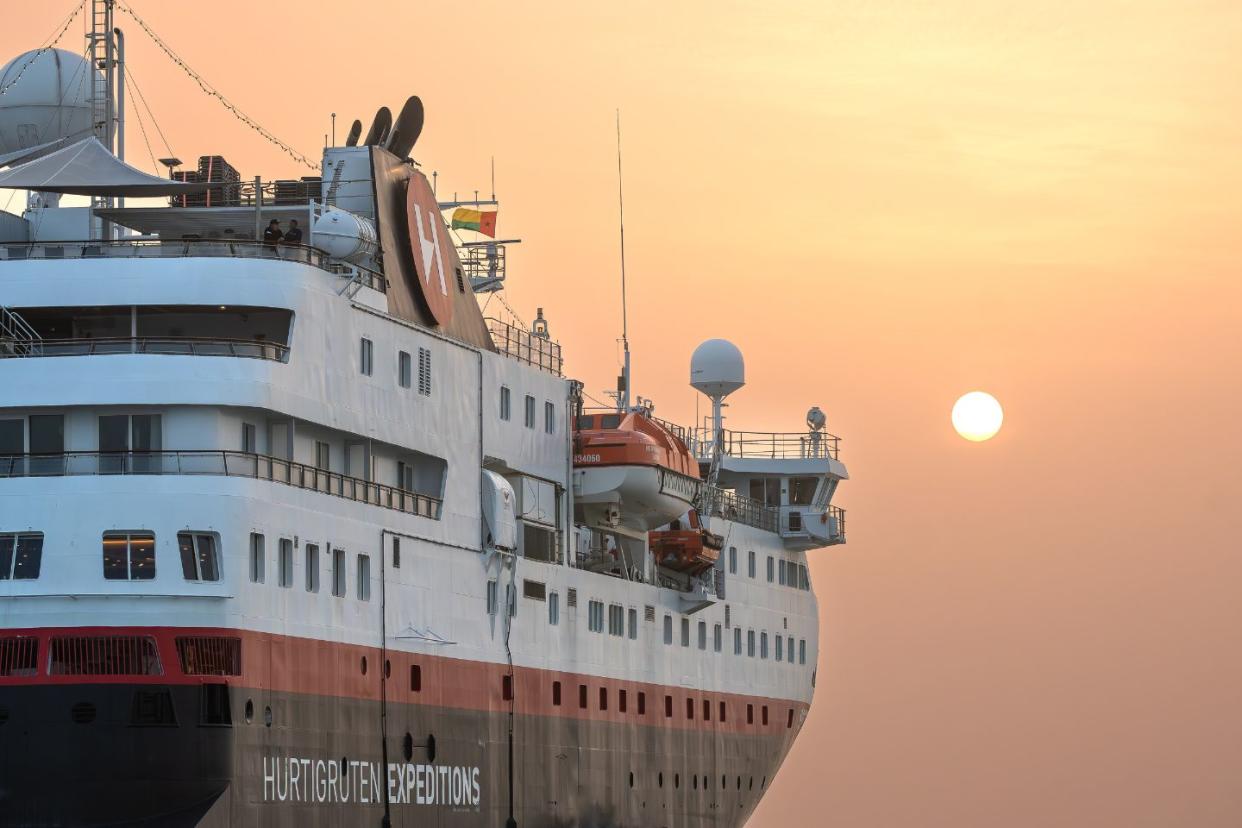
[977, 416]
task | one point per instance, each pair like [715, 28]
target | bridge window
[21, 556]
[129, 556]
[802, 490]
[199, 558]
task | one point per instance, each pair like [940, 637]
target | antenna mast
[623, 390]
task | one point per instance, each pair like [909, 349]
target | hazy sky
[884, 204]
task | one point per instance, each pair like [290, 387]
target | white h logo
[430, 249]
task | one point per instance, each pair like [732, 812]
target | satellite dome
[717, 368]
[48, 99]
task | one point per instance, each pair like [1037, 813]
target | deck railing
[728, 504]
[187, 248]
[768, 445]
[187, 345]
[524, 346]
[225, 463]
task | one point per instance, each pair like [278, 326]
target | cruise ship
[291, 534]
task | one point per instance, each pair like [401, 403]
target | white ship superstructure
[293, 535]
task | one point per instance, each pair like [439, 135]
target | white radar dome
[47, 97]
[717, 368]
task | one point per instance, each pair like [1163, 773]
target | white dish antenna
[717, 368]
[47, 97]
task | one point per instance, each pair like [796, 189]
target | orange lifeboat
[691, 549]
[631, 471]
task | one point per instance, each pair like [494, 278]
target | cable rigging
[47, 45]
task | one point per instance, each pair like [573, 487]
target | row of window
[784, 644]
[549, 411]
[405, 366]
[338, 561]
[788, 573]
[692, 705]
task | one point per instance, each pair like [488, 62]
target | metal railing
[768, 445]
[224, 463]
[185, 345]
[730, 505]
[17, 338]
[186, 248]
[524, 346]
[836, 513]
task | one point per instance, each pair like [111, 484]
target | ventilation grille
[104, 656]
[649, 614]
[728, 617]
[209, 656]
[571, 597]
[535, 590]
[19, 656]
[424, 372]
[153, 708]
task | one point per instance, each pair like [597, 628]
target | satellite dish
[717, 368]
[355, 132]
[407, 129]
[379, 127]
[46, 99]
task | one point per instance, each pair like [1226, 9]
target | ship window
[284, 563]
[750, 563]
[750, 643]
[802, 651]
[722, 717]
[750, 714]
[616, 620]
[323, 456]
[582, 696]
[416, 678]
[689, 708]
[21, 556]
[804, 577]
[549, 418]
[595, 616]
[621, 700]
[802, 490]
[782, 568]
[554, 608]
[717, 638]
[789, 649]
[642, 703]
[765, 715]
[707, 714]
[250, 440]
[789, 720]
[732, 560]
[396, 553]
[12, 437]
[530, 411]
[257, 558]
[603, 698]
[511, 599]
[504, 402]
[702, 635]
[492, 597]
[633, 617]
[771, 567]
[364, 577]
[668, 707]
[608, 421]
[47, 434]
[405, 369]
[506, 688]
[199, 558]
[366, 357]
[763, 645]
[780, 649]
[737, 640]
[312, 567]
[129, 556]
[556, 693]
[685, 632]
[338, 573]
[424, 372]
[668, 629]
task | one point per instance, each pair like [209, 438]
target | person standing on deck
[272, 237]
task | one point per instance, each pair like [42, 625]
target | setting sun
[977, 416]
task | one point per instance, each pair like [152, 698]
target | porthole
[249, 711]
[407, 747]
[364, 665]
[267, 715]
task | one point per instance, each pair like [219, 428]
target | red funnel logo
[429, 246]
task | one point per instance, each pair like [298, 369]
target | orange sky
[884, 204]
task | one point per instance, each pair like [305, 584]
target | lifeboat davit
[685, 546]
[631, 472]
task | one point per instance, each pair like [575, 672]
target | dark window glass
[20, 556]
[610, 421]
[198, 556]
[12, 437]
[47, 433]
[129, 556]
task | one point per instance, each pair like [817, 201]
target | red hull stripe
[287, 664]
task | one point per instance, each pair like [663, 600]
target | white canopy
[87, 168]
[30, 153]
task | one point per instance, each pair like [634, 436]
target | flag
[466, 219]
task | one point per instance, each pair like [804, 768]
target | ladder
[17, 338]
